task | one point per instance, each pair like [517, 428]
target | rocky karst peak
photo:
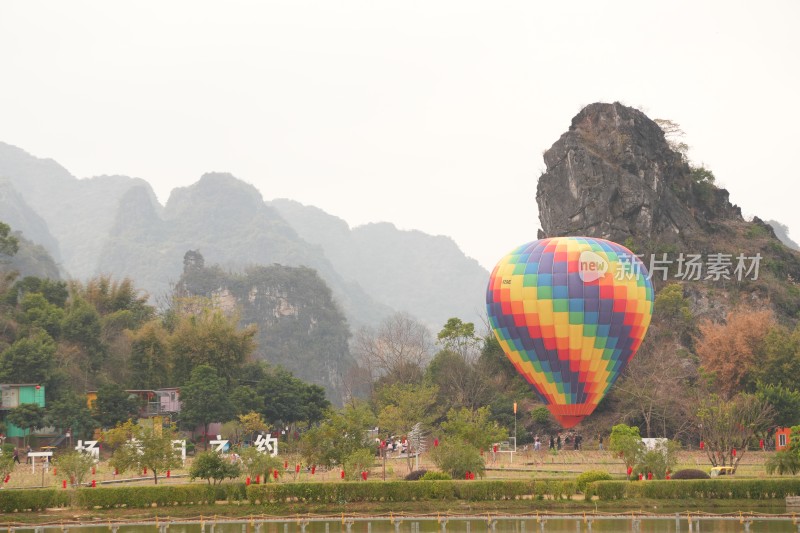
[614, 175]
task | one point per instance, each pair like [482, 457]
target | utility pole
[515, 432]
[383, 453]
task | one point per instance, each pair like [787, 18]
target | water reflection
[457, 525]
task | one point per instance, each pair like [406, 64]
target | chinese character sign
[219, 445]
[90, 447]
[267, 444]
[180, 447]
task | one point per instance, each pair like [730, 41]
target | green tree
[543, 421]
[283, 399]
[27, 417]
[340, 434]
[148, 446]
[74, 465]
[357, 462]
[703, 183]
[82, 327]
[118, 302]
[496, 366]
[256, 463]
[71, 412]
[212, 466]
[252, 423]
[113, 406]
[671, 305]
[659, 460]
[245, 399]
[9, 245]
[204, 399]
[404, 405]
[673, 310]
[779, 361]
[786, 461]
[626, 442]
[457, 457]
[37, 312]
[150, 356]
[209, 338]
[785, 401]
[54, 291]
[473, 427]
[315, 404]
[29, 360]
[459, 337]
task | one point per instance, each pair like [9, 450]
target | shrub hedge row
[194, 494]
[32, 500]
[391, 491]
[138, 497]
[109, 497]
[403, 491]
[744, 489]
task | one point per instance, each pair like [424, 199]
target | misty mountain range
[114, 225]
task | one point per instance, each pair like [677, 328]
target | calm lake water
[461, 525]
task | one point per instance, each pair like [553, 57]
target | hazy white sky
[429, 114]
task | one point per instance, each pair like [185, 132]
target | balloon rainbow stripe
[570, 313]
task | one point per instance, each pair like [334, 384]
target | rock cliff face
[300, 326]
[613, 175]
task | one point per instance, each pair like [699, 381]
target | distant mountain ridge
[21, 217]
[227, 221]
[403, 267]
[78, 213]
[115, 225]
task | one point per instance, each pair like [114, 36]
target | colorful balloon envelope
[570, 313]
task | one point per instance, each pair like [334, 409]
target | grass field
[523, 465]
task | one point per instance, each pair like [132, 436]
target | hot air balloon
[570, 313]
